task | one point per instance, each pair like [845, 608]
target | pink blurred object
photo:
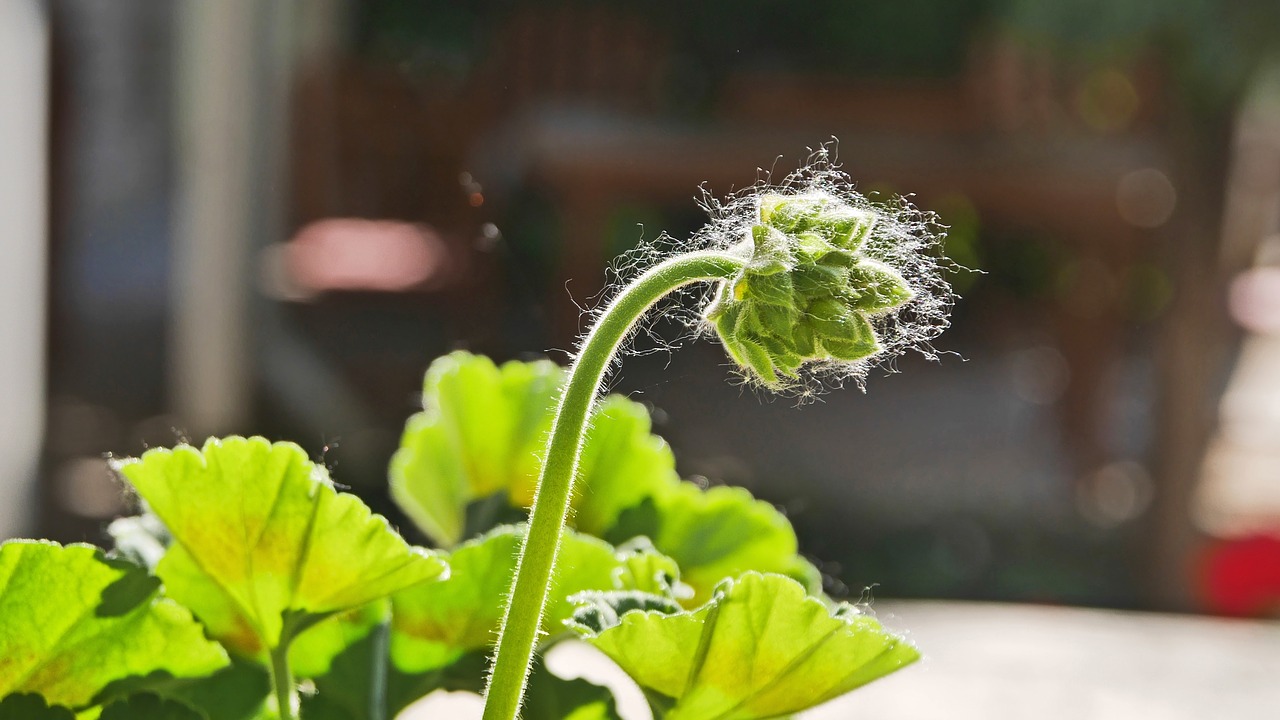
[1254, 300]
[356, 254]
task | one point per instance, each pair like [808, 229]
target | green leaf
[314, 650]
[436, 624]
[622, 463]
[483, 434]
[73, 621]
[355, 685]
[236, 692]
[149, 707]
[263, 544]
[761, 648]
[29, 706]
[479, 434]
[714, 534]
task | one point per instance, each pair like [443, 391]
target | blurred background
[268, 218]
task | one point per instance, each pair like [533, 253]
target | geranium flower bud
[825, 277]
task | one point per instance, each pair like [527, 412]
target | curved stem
[523, 619]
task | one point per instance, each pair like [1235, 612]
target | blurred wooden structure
[570, 102]
[1000, 135]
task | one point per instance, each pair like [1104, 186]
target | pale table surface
[994, 661]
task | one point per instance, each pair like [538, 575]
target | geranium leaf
[478, 435]
[454, 474]
[622, 463]
[144, 538]
[149, 707]
[73, 621]
[29, 706]
[760, 648]
[349, 692]
[362, 684]
[264, 546]
[434, 625]
[714, 534]
[314, 650]
[236, 692]
[482, 436]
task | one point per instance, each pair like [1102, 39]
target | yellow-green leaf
[760, 648]
[483, 433]
[433, 625]
[478, 435]
[72, 621]
[261, 538]
[716, 533]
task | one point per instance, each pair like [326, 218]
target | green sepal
[845, 227]
[785, 360]
[792, 213]
[877, 287]
[758, 359]
[817, 281]
[814, 246]
[858, 342]
[839, 259]
[770, 289]
[772, 255]
[832, 320]
[802, 339]
[776, 320]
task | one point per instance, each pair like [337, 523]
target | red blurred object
[1242, 577]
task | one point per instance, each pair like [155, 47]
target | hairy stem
[528, 597]
[282, 681]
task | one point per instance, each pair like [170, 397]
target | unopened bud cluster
[807, 294]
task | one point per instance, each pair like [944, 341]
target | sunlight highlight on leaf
[264, 546]
[72, 621]
[761, 648]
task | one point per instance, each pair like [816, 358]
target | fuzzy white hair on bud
[835, 283]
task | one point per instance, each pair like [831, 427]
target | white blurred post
[210, 365]
[24, 120]
[231, 96]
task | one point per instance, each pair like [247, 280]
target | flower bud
[807, 293]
